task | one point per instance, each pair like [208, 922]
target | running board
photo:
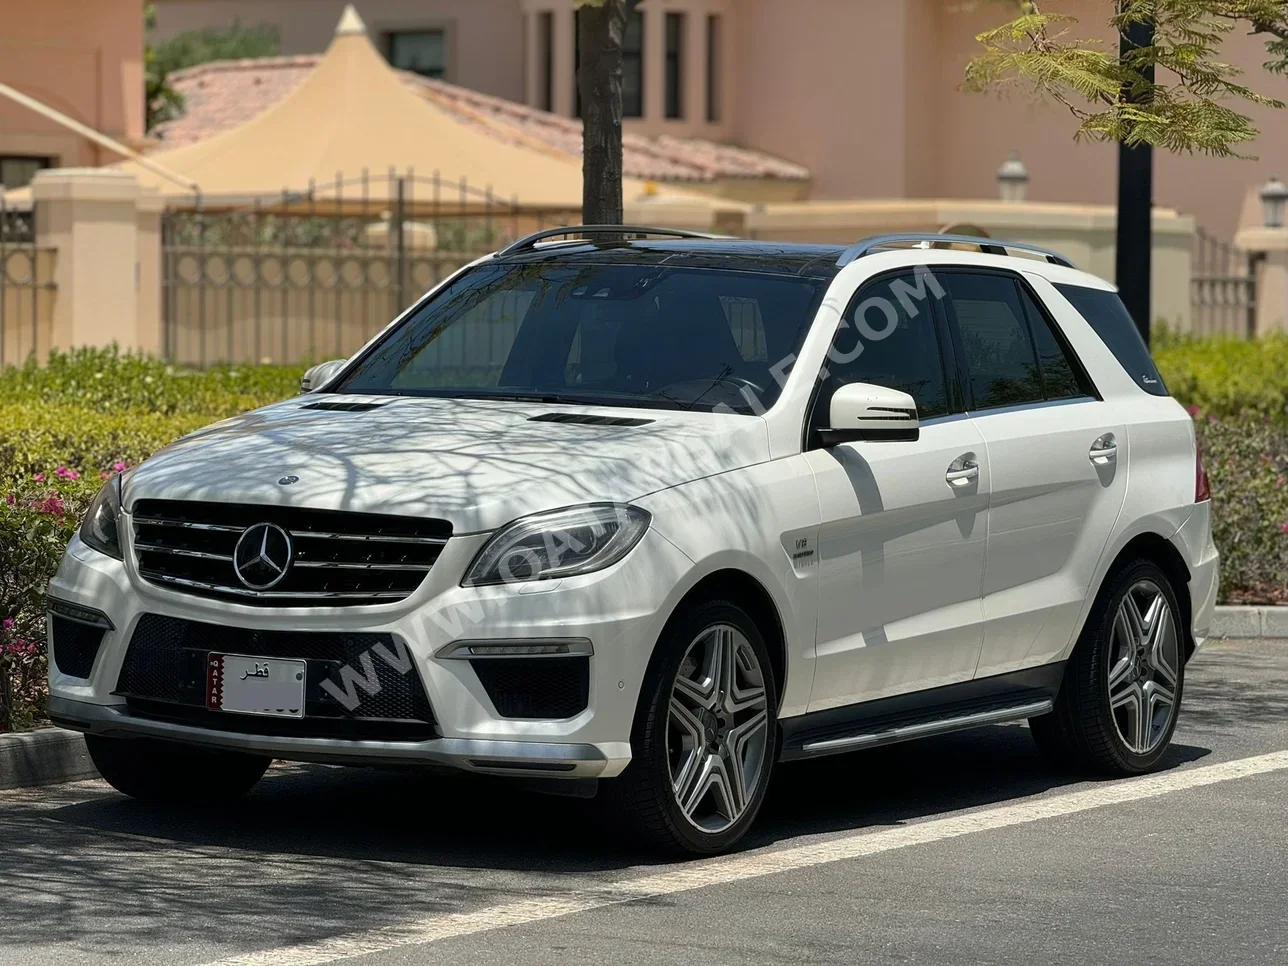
[924, 729]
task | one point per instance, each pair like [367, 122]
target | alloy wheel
[1143, 668]
[717, 728]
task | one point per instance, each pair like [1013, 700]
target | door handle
[1104, 450]
[962, 472]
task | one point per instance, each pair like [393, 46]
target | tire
[1140, 659]
[172, 773]
[721, 755]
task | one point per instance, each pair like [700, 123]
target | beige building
[863, 93]
[81, 57]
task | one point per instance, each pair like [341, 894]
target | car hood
[477, 463]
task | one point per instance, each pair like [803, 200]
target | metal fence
[27, 288]
[311, 276]
[1223, 288]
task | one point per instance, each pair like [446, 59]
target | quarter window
[888, 338]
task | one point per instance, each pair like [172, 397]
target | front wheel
[1122, 688]
[165, 771]
[705, 736]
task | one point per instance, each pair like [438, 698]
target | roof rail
[989, 246]
[529, 242]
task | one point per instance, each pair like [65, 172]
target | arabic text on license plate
[255, 685]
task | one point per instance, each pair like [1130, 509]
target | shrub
[64, 427]
[1227, 377]
[1247, 462]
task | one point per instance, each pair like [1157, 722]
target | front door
[903, 527]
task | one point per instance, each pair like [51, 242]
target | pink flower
[7, 624]
[39, 477]
[1281, 481]
[105, 475]
[11, 499]
[1284, 528]
[120, 467]
[67, 474]
[51, 504]
[1192, 410]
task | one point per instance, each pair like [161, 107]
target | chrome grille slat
[180, 552]
[338, 558]
[380, 538]
[271, 594]
[344, 565]
[186, 524]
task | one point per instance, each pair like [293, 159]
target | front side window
[420, 51]
[888, 338]
[613, 335]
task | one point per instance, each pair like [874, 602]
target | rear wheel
[705, 736]
[1122, 688]
[165, 771]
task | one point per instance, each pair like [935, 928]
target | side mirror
[321, 374]
[861, 411]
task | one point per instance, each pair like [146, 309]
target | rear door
[1057, 457]
[903, 524]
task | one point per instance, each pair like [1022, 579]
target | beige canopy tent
[354, 115]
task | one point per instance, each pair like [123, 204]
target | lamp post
[1273, 194]
[1013, 178]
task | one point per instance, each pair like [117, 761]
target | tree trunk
[599, 82]
[1135, 241]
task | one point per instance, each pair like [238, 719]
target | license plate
[255, 685]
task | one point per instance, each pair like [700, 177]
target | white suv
[661, 511]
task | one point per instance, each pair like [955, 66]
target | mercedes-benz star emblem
[288, 480]
[262, 556]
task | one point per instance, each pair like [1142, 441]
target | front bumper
[489, 755]
[620, 610]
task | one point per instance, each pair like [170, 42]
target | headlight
[562, 543]
[100, 529]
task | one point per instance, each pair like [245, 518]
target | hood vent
[589, 419]
[345, 407]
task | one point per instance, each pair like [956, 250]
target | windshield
[613, 335]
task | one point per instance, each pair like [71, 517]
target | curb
[1244, 622]
[43, 757]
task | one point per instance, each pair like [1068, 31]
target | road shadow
[316, 850]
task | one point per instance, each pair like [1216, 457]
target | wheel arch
[750, 594]
[1161, 551]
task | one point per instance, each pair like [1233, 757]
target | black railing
[26, 287]
[306, 276]
[1223, 288]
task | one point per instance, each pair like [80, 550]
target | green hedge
[1227, 378]
[66, 426]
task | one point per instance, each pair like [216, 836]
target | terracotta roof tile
[223, 94]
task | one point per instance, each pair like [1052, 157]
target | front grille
[337, 558]
[167, 657]
[75, 646]
[543, 687]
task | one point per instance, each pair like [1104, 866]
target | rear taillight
[1202, 490]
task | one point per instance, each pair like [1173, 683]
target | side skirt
[970, 704]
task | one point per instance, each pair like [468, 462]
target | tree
[1165, 86]
[163, 57]
[601, 26]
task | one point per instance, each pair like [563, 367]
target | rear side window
[1106, 314]
[1000, 356]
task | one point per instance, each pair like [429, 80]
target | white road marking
[720, 871]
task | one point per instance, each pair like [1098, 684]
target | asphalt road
[962, 849]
